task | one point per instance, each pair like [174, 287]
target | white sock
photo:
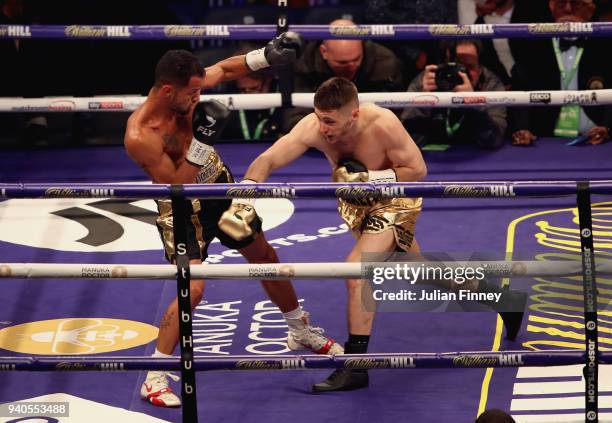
[158, 353]
[294, 314]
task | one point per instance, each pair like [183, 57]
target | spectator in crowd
[573, 63]
[370, 66]
[494, 416]
[499, 54]
[484, 126]
[251, 125]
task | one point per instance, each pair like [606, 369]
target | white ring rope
[339, 270]
[266, 101]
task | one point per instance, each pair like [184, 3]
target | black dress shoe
[343, 380]
[511, 306]
[514, 300]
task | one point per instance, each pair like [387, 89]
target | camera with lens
[447, 76]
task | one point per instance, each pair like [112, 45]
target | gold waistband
[211, 170]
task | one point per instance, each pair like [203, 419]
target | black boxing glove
[209, 120]
[282, 50]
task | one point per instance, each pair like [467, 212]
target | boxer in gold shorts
[362, 143]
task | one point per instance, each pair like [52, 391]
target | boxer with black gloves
[171, 136]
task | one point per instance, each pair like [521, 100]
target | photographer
[484, 126]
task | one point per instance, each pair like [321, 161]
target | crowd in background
[38, 68]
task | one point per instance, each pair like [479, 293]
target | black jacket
[525, 11]
[541, 73]
[379, 72]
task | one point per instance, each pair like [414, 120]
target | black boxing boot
[511, 306]
[347, 379]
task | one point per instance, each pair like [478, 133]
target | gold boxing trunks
[202, 216]
[398, 214]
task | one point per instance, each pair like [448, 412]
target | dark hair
[494, 416]
[177, 67]
[475, 42]
[335, 93]
[449, 47]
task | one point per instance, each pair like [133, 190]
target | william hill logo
[77, 193]
[188, 31]
[479, 191]
[257, 365]
[84, 31]
[76, 336]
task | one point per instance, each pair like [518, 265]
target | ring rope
[350, 191]
[321, 270]
[265, 101]
[309, 32]
[467, 359]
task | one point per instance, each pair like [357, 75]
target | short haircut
[176, 67]
[475, 42]
[335, 93]
[449, 47]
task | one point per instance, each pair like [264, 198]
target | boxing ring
[311, 191]
[298, 271]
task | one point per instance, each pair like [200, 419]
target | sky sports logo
[105, 105]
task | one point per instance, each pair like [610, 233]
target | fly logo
[205, 131]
